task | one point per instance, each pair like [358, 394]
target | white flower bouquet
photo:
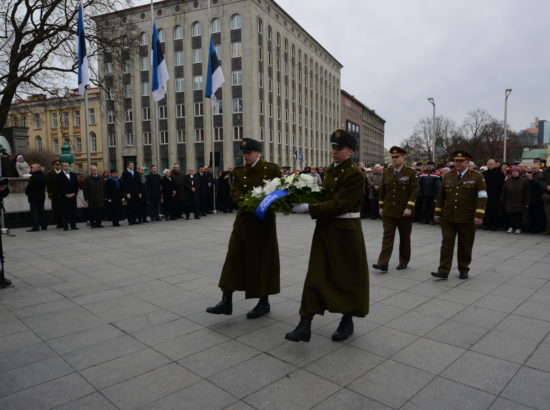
[278, 194]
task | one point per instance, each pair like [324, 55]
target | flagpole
[212, 146]
[86, 114]
[87, 128]
[152, 99]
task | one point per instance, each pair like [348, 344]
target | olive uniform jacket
[252, 261]
[338, 277]
[460, 200]
[398, 192]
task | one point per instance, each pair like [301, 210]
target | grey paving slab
[24, 355]
[457, 334]
[504, 404]
[506, 346]
[351, 401]
[540, 359]
[429, 355]
[530, 387]
[80, 340]
[415, 322]
[95, 401]
[384, 341]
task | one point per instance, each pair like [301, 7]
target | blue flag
[160, 70]
[215, 78]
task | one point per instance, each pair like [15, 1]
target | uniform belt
[350, 215]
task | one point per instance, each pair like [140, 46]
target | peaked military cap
[397, 151]
[341, 137]
[249, 144]
[461, 155]
[56, 162]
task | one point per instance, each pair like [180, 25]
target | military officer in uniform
[337, 279]
[252, 261]
[460, 206]
[397, 202]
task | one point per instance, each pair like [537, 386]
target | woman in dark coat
[515, 199]
[113, 194]
[224, 197]
[168, 196]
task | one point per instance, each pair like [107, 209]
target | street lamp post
[506, 94]
[432, 101]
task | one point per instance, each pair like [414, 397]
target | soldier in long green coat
[460, 207]
[252, 261]
[338, 277]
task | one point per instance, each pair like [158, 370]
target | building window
[128, 116]
[161, 35]
[53, 120]
[237, 77]
[197, 109]
[262, 133]
[197, 55]
[144, 63]
[36, 121]
[38, 143]
[199, 135]
[109, 68]
[164, 137]
[270, 110]
[279, 136]
[237, 133]
[180, 111]
[236, 22]
[261, 80]
[260, 53]
[144, 89]
[163, 112]
[178, 84]
[65, 119]
[216, 26]
[146, 138]
[217, 108]
[237, 105]
[110, 94]
[196, 29]
[270, 135]
[260, 26]
[178, 33]
[180, 136]
[126, 67]
[218, 134]
[93, 142]
[236, 50]
[110, 117]
[55, 145]
[143, 39]
[178, 58]
[78, 144]
[197, 82]
[218, 48]
[129, 139]
[261, 104]
[128, 91]
[145, 114]
[269, 58]
[112, 140]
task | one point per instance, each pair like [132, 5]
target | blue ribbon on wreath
[268, 200]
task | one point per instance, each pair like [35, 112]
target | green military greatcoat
[338, 277]
[252, 261]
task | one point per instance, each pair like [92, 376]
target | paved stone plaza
[114, 318]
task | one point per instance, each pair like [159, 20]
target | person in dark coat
[143, 202]
[429, 182]
[53, 192]
[179, 200]
[337, 278]
[515, 199]
[224, 197]
[204, 185]
[36, 195]
[211, 183]
[545, 185]
[536, 209]
[131, 190]
[113, 197]
[191, 196]
[153, 193]
[94, 195]
[68, 187]
[494, 179]
[252, 260]
[374, 183]
[168, 196]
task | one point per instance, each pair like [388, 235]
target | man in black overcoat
[68, 187]
[36, 195]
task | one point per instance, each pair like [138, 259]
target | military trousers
[404, 226]
[466, 234]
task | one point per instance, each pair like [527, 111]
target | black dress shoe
[33, 230]
[225, 307]
[383, 268]
[4, 283]
[463, 275]
[440, 275]
[65, 229]
[74, 228]
[197, 217]
[302, 333]
[44, 228]
[401, 266]
[99, 226]
[262, 308]
[344, 330]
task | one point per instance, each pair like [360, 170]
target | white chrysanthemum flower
[272, 185]
[307, 179]
[315, 188]
[258, 192]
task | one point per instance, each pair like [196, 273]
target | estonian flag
[160, 71]
[215, 77]
[83, 69]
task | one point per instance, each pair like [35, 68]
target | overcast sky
[463, 53]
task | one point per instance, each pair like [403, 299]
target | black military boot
[440, 275]
[382, 268]
[302, 331]
[345, 329]
[463, 275]
[225, 307]
[260, 309]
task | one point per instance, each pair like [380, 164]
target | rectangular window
[144, 89]
[197, 82]
[261, 104]
[199, 135]
[37, 122]
[78, 144]
[146, 138]
[163, 112]
[53, 119]
[128, 115]
[178, 58]
[261, 80]
[65, 119]
[180, 136]
[180, 111]
[144, 63]
[109, 68]
[126, 67]
[76, 118]
[127, 91]
[164, 137]
[219, 52]
[260, 53]
[237, 77]
[93, 142]
[217, 108]
[236, 50]
[178, 84]
[55, 145]
[197, 109]
[218, 134]
[237, 133]
[269, 58]
[270, 110]
[197, 55]
[262, 136]
[110, 117]
[279, 136]
[110, 94]
[129, 139]
[237, 105]
[145, 114]
[270, 135]
[112, 140]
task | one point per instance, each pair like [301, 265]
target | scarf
[117, 182]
